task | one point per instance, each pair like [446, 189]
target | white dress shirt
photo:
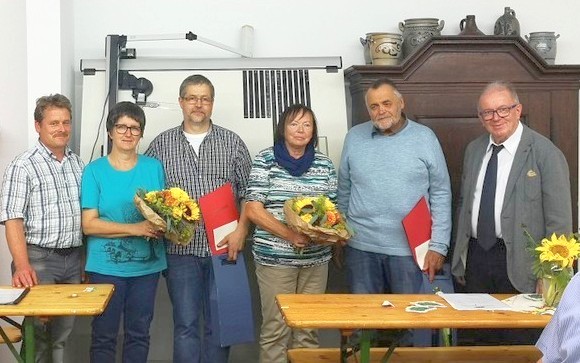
[505, 159]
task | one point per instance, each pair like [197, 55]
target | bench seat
[459, 354]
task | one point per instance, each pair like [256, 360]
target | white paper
[474, 302]
[8, 296]
[222, 231]
[421, 252]
[525, 302]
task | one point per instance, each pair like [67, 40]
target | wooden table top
[359, 311]
[61, 299]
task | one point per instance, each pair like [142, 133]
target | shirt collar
[512, 142]
[375, 131]
[46, 151]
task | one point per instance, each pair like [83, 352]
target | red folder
[417, 225]
[220, 215]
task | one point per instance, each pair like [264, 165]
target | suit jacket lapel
[519, 161]
[476, 161]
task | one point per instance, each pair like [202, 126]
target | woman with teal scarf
[287, 262]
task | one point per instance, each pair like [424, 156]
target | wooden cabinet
[441, 83]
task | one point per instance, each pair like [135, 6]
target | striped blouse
[272, 185]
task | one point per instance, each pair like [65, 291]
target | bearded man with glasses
[513, 177]
[200, 156]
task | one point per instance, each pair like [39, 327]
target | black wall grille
[267, 93]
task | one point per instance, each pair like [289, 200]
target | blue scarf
[295, 167]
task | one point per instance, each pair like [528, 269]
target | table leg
[10, 345]
[344, 334]
[365, 346]
[28, 344]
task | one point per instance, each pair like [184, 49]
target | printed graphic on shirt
[130, 249]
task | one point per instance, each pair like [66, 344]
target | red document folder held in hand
[220, 215]
[417, 226]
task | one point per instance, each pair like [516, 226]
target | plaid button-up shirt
[45, 193]
[223, 157]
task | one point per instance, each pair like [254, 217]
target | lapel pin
[531, 173]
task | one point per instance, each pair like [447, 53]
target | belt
[65, 251]
[498, 241]
[60, 251]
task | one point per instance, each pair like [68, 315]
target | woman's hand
[298, 239]
[147, 229]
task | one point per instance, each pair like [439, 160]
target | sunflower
[306, 217]
[303, 202]
[559, 249]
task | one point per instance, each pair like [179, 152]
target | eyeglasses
[193, 100]
[134, 130]
[502, 112]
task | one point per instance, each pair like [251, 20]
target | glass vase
[553, 286]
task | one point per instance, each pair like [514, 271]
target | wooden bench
[461, 354]
[13, 334]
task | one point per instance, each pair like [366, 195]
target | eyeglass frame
[506, 109]
[132, 129]
[193, 100]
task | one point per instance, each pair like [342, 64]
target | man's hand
[433, 263]
[24, 276]
[235, 241]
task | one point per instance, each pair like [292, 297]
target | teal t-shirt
[111, 192]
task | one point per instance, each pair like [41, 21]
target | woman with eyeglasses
[287, 262]
[123, 249]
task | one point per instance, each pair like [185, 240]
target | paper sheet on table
[11, 296]
[474, 302]
[525, 302]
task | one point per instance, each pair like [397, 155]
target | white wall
[301, 27]
[43, 41]
[13, 115]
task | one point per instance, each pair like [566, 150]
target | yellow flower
[179, 194]
[176, 212]
[175, 207]
[191, 212]
[302, 202]
[306, 217]
[328, 205]
[151, 197]
[559, 250]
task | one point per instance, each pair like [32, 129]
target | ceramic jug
[468, 26]
[507, 24]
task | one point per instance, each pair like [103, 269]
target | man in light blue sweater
[387, 165]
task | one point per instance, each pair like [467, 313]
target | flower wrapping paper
[317, 234]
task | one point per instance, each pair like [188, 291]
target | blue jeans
[53, 268]
[134, 298]
[375, 273]
[191, 285]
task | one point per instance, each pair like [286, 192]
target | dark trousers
[486, 272]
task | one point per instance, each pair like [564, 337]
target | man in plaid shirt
[199, 157]
[40, 208]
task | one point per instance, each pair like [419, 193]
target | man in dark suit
[530, 188]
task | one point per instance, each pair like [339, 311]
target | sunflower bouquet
[553, 263]
[318, 218]
[172, 211]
